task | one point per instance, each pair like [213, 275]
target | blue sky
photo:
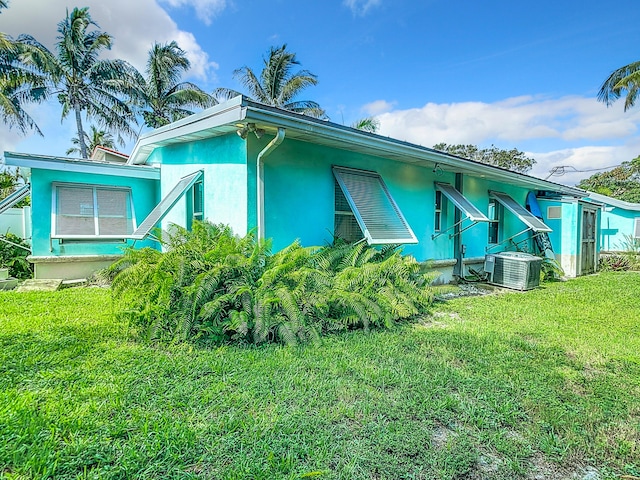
[513, 74]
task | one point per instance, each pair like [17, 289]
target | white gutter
[271, 146]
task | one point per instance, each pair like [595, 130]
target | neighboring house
[84, 211]
[620, 223]
[289, 177]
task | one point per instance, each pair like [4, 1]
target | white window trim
[94, 187]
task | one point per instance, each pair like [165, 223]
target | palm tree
[623, 79]
[163, 98]
[3, 4]
[98, 138]
[367, 124]
[18, 85]
[82, 82]
[278, 85]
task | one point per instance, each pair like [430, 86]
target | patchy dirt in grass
[465, 290]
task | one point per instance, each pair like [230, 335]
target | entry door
[588, 251]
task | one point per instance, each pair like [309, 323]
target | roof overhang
[227, 117]
[614, 202]
[43, 162]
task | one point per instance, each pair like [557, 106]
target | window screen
[375, 210]
[92, 211]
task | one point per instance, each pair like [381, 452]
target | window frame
[131, 223]
[340, 215]
[494, 213]
[438, 211]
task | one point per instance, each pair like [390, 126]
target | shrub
[215, 286]
[13, 255]
[613, 262]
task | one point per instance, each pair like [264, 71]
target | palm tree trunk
[83, 145]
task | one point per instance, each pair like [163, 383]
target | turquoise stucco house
[620, 222]
[289, 177]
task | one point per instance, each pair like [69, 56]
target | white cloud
[513, 120]
[378, 107]
[206, 10]
[361, 7]
[134, 25]
[582, 124]
[573, 164]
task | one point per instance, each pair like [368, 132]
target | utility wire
[561, 170]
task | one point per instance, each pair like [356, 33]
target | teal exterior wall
[615, 224]
[299, 199]
[144, 193]
[224, 162]
[566, 237]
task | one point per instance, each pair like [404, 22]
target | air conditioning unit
[517, 270]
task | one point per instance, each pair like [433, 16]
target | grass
[516, 385]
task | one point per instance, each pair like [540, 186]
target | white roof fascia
[80, 166]
[614, 202]
[226, 113]
[412, 153]
[240, 109]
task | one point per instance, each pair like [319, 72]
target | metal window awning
[165, 205]
[15, 197]
[375, 210]
[531, 221]
[462, 204]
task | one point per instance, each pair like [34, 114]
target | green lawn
[515, 385]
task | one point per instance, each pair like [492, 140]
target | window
[530, 220]
[554, 213]
[494, 223]
[91, 211]
[345, 226]
[198, 201]
[438, 212]
[374, 209]
[195, 204]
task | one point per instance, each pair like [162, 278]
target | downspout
[271, 146]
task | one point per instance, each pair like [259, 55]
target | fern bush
[212, 285]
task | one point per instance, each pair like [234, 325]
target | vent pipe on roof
[271, 146]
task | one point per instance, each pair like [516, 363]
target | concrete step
[40, 285]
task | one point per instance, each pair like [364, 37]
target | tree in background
[513, 159]
[98, 138]
[367, 124]
[624, 79]
[160, 94]
[277, 84]
[82, 83]
[19, 85]
[622, 182]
